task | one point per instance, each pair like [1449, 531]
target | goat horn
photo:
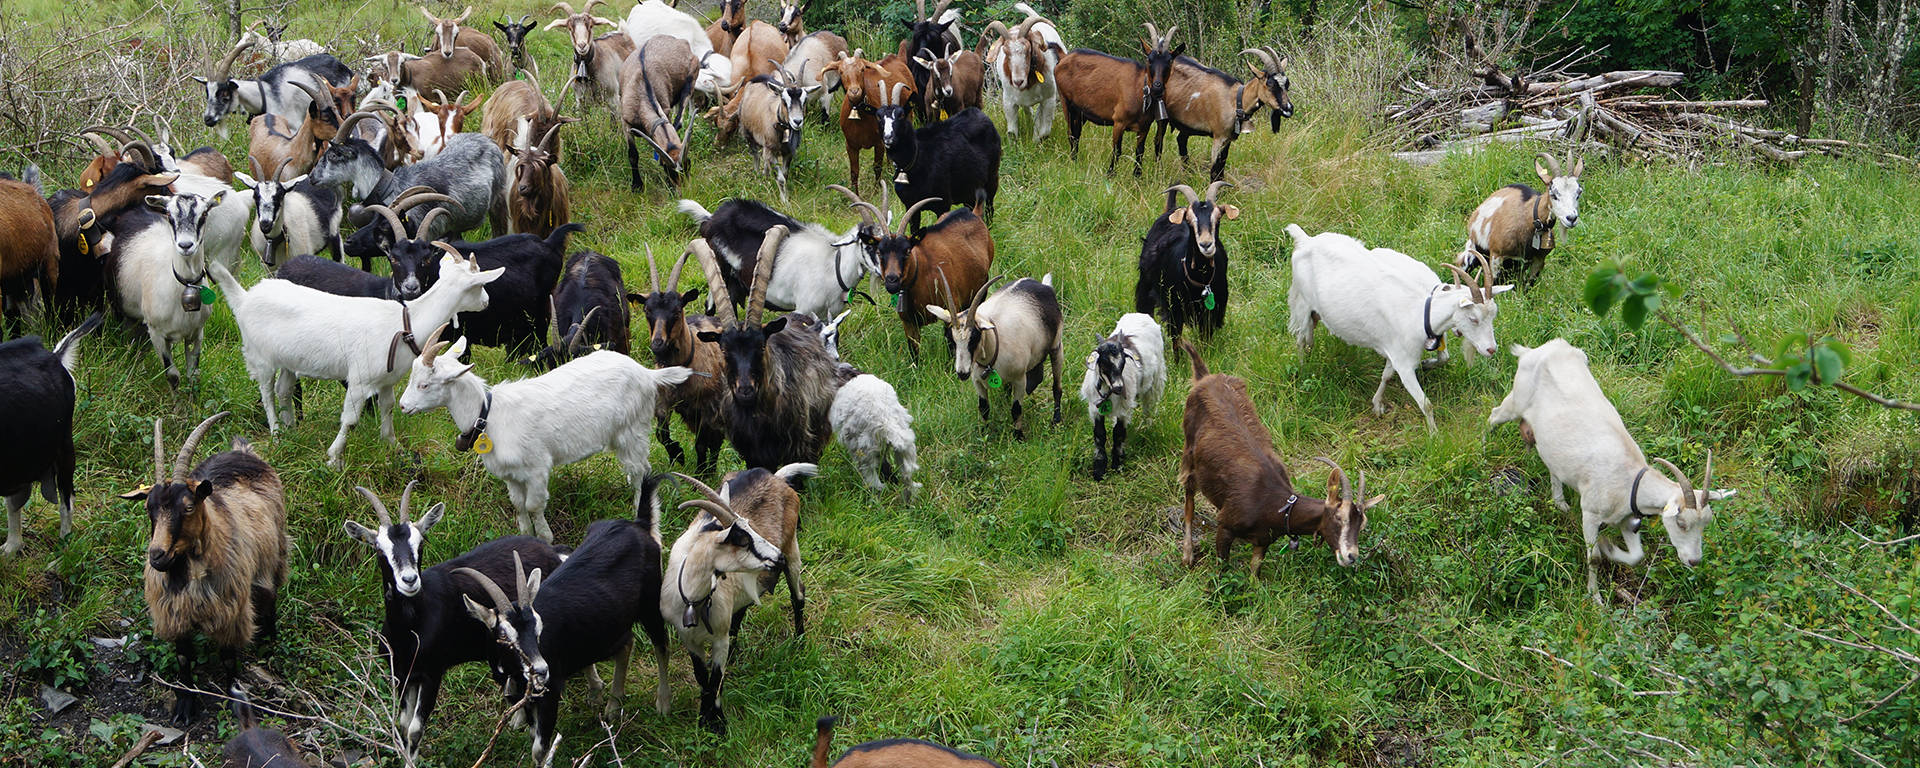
[718, 510]
[309, 89]
[500, 603]
[1486, 277]
[225, 70]
[117, 133]
[284, 162]
[1265, 60]
[1192, 196]
[653, 270]
[100, 143]
[566, 8]
[868, 212]
[1553, 164]
[553, 315]
[996, 26]
[253, 163]
[435, 20]
[912, 211]
[591, 4]
[763, 272]
[573, 346]
[1213, 190]
[716, 283]
[920, 8]
[979, 297]
[939, 8]
[946, 287]
[159, 455]
[192, 444]
[1360, 490]
[1686, 486]
[1026, 26]
[721, 511]
[1346, 488]
[406, 502]
[418, 199]
[426, 222]
[465, 258]
[378, 508]
[463, 15]
[673, 277]
[393, 219]
[546, 140]
[1167, 39]
[346, 126]
[1460, 277]
[144, 148]
[1153, 33]
[1279, 61]
[417, 189]
[1706, 476]
[430, 349]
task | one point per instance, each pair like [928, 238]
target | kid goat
[1515, 223]
[1386, 301]
[1004, 340]
[703, 399]
[1127, 370]
[1584, 443]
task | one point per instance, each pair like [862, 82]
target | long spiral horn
[716, 282]
[192, 444]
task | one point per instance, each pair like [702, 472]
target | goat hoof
[186, 709]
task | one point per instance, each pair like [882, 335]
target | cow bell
[190, 298]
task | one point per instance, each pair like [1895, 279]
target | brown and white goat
[791, 25]
[771, 109]
[867, 84]
[1023, 60]
[1203, 101]
[437, 121]
[218, 553]
[673, 338]
[656, 85]
[449, 35]
[954, 82]
[273, 144]
[1108, 90]
[517, 112]
[1515, 223]
[1229, 457]
[925, 267]
[81, 220]
[31, 249]
[595, 74]
[726, 28]
[537, 191]
[757, 51]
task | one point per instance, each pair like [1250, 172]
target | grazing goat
[524, 429]
[653, 18]
[580, 614]
[744, 539]
[1004, 340]
[1584, 443]
[818, 267]
[272, 92]
[956, 160]
[426, 630]
[781, 378]
[589, 310]
[934, 34]
[30, 253]
[254, 746]
[1204, 101]
[516, 34]
[1386, 301]
[868, 85]
[538, 197]
[595, 75]
[1023, 60]
[924, 267]
[1183, 263]
[890, 753]
[160, 267]
[877, 432]
[1126, 371]
[469, 171]
[771, 108]
[449, 37]
[954, 82]
[1229, 457]
[810, 58]
[1109, 90]
[38, 392]
[656, 85]
[519, 304]
[289, 331]
[1515, 223]
[703, 399]
[218, 554]
[294, 217]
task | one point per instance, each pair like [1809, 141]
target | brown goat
[273, 144]
[930, 266]
[537, 191]
[757, 51]
[1204, 101]
[1514, 226]
[656, 83]
[218, 554]
[449, 36]
[727, 28]
[430, 73]
[447, 116]
[866, 84]
[1109, 90]
[674, 339]
[516, 101]
[1229, 456]
[890, 753]
[954, 83]
[791, 25]
[30, 251]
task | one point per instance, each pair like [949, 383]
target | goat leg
[664, 434]
[1186, 520]
[633, 166]
[1253, 571]
[1055, 357]
[186, 703]
[794, 590]
[1119, 443]
[1100, 447]
[1019, 418]
[1139, 151]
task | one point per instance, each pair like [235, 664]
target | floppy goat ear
[1179, 215]
[480, 612]
[360, 532]
[937, 312]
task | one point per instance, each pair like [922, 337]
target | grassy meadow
[1022, 611]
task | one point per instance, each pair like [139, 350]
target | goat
[296, 217]
[520, 432]
[1372, 298]
[519, 304]
[818, 267]
[159, 270]
[517, 114]
[922, 267]
[887, 753]
[771, 108]
[1207, 102]
[39, 394]
[781, 378]
[809, 58]
[703, 399]
[516, 34]
[1023, 60]
[956, 160]
[30, 252]
[289, 148]
[727, 26]
[1515, 223]
[1108, 90]
[877, 432]
[449, 36]
[1183, 263]
[469, 171]
[218, 553]
[656, 83]
[1229, 457]
[538, 198]
[289, 331]
[425, 74]
[757, 51]
[954, 82]
[333, 277]
[277, 49]
[652, 18]
[589, 311]
[868, 85]
[204, 172]
[1004, 339]
[254, 746]
[272, 92]
[432, 124]
[1584, 443]
[934, 34]
[82, 221]
[582, 613]
[1126, 371]
[426, 630]
[744, 539]
[793, 27]
[371, 241]
[595, 75]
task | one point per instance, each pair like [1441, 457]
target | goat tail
[230, 285]
[648, 511]
[557, 240]
[1518, 350]
[671, 376]
[797, 471]
[699, 212]
[68, 350]
[1299, 235]
[243, 712]
[1199, 366]
[822, 739]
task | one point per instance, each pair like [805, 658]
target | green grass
[1022, 611]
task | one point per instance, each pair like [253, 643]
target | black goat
[1183, 263]
[927, 33]
[519, 303]
[589, 311]
[956, 160]
[333, 277]
[582, 614]
[36, 416]
[426, 630]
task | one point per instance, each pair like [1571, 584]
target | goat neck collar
[402, 336]
[1434, 340]
[1286, 513]
[697, 610]
[1240, 112]
[470, 434]
[1188, 274]
[993, 362]
[1543, 225]
[1633, 494]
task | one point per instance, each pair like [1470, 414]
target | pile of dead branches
[1636, 112]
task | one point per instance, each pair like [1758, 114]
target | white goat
[1584, 443]
[1007, 339]
[289, 330]
[1022, 59]
[1386, 301]
[1127, 370]
[159, 264]
[523, 429]
[876, 430]
[815, 268]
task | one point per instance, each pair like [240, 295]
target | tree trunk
[1830, 61]
[1893, 32]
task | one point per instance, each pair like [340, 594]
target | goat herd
[383, 148]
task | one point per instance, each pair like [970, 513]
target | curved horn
[225, 69]
[406, 501]
[1192, 196]
[546, 140]
[979, 297]
[763, 272]
[939, 8]
[430, 349]
[500, 603]
[406, 203]
[119, 134]
[996, 26]
[253, 163]
[346, 126]
[463, 15]
[144, 148]
[912, 211]
[591, 4]
[716, 283]
[719, 511]
[895, 99]
[653, 270]
[1706, 476]
[1267, 64]
[465, 258]
[1153, 33]
[1026, 26]
[102, 145]
[1167, 39]
[714, 503]
[378, 508]
[1486, 277]
[311, 92]
[1346, 488]
[573, 346]
[1460, 277]
[673, 278]
[426, 222]
[1213, 190]
[920, 10]
[1553, 164]
[868, 211]
[192, 444]
[566, 8]
[282, 166]
[1687, 499]
[159, 455]
[393, 219]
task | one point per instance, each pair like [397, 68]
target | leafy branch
[1800, 359]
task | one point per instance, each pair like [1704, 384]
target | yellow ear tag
[1039, 78]
[83, 244]
[1443, 345]
[943, 114]
[483, 444]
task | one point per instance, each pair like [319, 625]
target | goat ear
[1721, 493]
[200, 490]
[1178, 216]
[533, 585]
[689, 296]
[360, 532]
[939, 313]
[432, 517]
[778, 324]
[245, 180]
[137, 494]
[458, 350]
[1374, 502]
[1541, 171]
[1233, 211]
[502, 27]
[711, 337]
[158, 202]
[480, 612]
[636, 298]
[217, 197]
[1500, 289]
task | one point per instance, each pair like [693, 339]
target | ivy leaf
[1599, 290]
[1633, 311]
[1827, 362]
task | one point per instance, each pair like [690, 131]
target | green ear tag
[993, 379]
[207, 296]
[483, 444]
[896, 300]
[1106, 408]
[400, 102]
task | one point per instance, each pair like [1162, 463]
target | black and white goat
[818, 267]
[1126, 371]
[38, 393]
[426, 630]
[294, 217]
[1183, 263]
[1005, 340]
[271, 93]
[160, 272]
[956, 160]
[519, 304]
